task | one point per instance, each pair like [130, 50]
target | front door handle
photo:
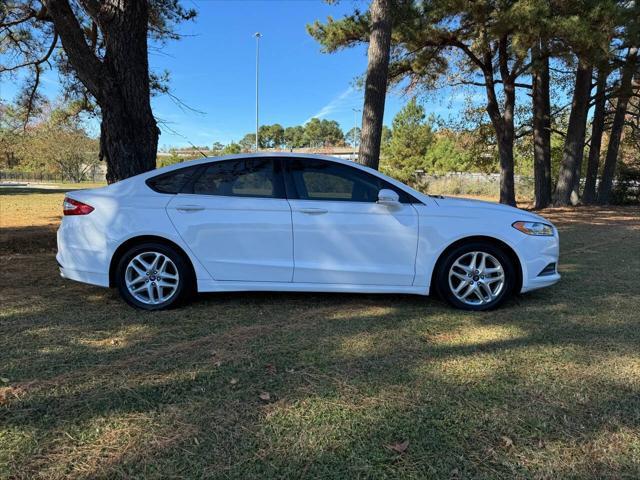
[313, 211]
[189, 208]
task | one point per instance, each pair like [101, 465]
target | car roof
[199, 161]
[205, 160]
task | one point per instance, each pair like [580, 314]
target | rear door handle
[313, 211]
[189, 208]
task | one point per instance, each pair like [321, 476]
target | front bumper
[536, 253]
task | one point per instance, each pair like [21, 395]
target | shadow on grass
[546, 386]
[34, 190]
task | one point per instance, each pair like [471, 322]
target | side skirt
[219, 286]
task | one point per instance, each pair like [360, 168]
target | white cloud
[344, 101]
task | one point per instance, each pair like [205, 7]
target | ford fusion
[292, 222]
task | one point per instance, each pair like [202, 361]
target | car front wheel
[152, 276]
[476, 276]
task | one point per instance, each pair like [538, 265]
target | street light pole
[257, 35]
[355, 129]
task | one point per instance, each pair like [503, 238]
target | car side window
[316, 179]
[172, 182]
[250, 177]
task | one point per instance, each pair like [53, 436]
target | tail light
[74, 207]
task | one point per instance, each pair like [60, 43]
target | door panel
[237, 221]
[341, 235]
[353, 242]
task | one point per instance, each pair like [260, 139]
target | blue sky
[213, 70]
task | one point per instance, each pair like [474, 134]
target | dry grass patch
[547, 387]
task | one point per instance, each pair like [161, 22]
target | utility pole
[257, 35]
[355, 131]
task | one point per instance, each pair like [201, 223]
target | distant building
[346, 153]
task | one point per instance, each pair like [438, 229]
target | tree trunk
[574, 141]
[541, 127]
[606, 182]
[119, 82]
[502, 122]
[376, 83]
[507, 182]
[597, 127]
[128, 134]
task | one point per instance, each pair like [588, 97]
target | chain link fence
[18, 176]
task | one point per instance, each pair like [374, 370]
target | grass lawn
[261, 385]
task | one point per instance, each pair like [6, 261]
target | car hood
[480, 206]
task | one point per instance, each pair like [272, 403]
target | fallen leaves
[265, 396]
[506, 442]
[399, 447]
[9, 393]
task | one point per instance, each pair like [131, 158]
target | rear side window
[172, 182]
[249, 177]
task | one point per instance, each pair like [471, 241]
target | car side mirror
[388, 198]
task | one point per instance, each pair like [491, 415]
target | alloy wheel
[476, 278]
[152, 278]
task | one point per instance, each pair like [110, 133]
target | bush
[626, 189]
[482, 185]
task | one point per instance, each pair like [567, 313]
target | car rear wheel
[476, 276]
[152, 276]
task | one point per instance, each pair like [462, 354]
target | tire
[476, 289]
[153, 286]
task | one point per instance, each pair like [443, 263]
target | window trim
[279, 187]
[293, 194]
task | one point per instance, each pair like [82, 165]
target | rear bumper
[82, 256]
[85, 277]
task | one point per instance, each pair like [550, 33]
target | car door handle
[313, 211]
[189, 208]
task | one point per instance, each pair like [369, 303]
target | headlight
[534, 228]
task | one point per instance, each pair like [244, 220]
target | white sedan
[293, 222]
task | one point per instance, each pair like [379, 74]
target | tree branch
[86, 64]
[92, 7]
[32, 96]
[502, 59]
[32, 14]
[37, 61]
[516, 71]
[480, 84]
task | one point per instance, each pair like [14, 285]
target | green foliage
[271, 136]
[386, 137]
[352, 137]
[448, 155]
[172, 159]
[321, 133]
[54, 142]
[231, 149]
[217, 147]
[294, 137]
[248, 142]
[413, 145]
[412, 135]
